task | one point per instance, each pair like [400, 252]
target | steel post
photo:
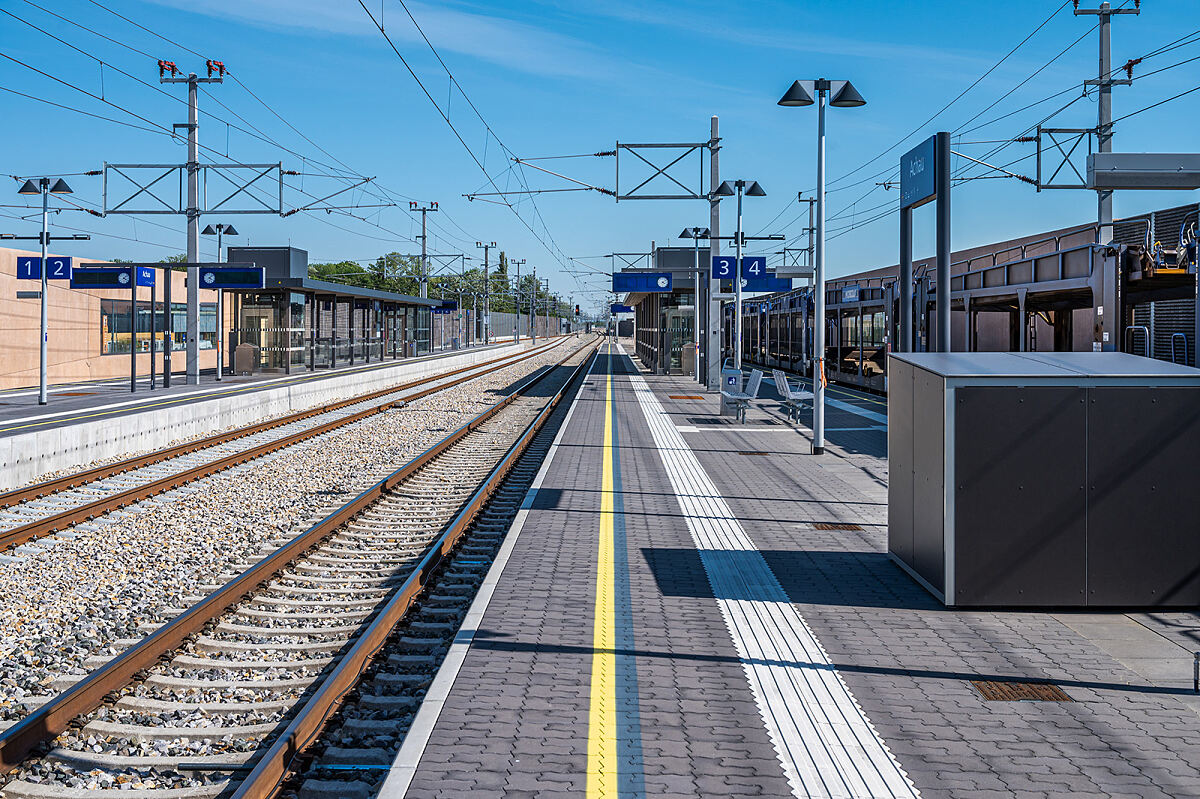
[45, 239]
[943, 241]
[192, 337]
[713, 315]
[905, 344]
[737, 286]
[220, 312]
[818, 378]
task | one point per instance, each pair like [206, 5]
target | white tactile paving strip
[825, 743]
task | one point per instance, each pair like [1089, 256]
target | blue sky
[552, 77]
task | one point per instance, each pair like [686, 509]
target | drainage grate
[684, 396]
[854, 528]
[751, 452]
[996, 691]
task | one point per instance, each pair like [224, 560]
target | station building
[1045, 291]
[294, 323]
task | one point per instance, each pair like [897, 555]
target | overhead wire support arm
[1021, 178]
[480, 194]
[559, 175]
[327, 197]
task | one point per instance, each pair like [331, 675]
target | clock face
[662, 282]
[123, 277]
[209, 277]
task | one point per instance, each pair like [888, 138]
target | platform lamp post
[218, 231]
[751, 189]
[43, 187]
[844, 95]
[695, 234]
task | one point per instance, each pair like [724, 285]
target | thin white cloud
[514, 45]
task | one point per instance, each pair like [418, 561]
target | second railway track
[249, 676]
[54, 505]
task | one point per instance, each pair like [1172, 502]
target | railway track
[52, 506]
[225, 698]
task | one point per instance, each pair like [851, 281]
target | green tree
[339, 272]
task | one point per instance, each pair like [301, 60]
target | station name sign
[918, 174]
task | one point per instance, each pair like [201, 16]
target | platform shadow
[808, 577]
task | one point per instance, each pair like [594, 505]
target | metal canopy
[1143, 171]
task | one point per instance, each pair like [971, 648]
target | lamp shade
[796, 95]
[209, 230]
[686, 234]
[29, 188]
[755, 190]
[704, 234]
[847, 97]
[724, 190]
[230, 230]
[60, 187]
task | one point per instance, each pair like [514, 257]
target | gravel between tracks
[86, 592]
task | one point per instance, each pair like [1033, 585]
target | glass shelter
[297, 323]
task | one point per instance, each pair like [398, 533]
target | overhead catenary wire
[174, 43]
[458, 135]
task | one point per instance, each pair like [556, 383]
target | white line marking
[874, 416]
[404, 767]
[825, 742]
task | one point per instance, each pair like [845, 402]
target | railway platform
[71, 403]
[688, 606]
[83, 423]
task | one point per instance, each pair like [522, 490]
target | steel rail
[38, 490]
[81, 513]
[56, 716]
[273, 767]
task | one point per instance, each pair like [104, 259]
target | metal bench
[742, 399]
[793, 399]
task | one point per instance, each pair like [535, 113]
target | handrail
[1175, 336]
[1134, 329]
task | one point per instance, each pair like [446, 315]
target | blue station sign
[232, 277]
[766, 284]
[918, 174]
[641, 282]
[29, 267]
[753, 266]
[850, 293]
[617, 307]
[111, 277]
[723, 266]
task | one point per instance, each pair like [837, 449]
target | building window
[116, 339]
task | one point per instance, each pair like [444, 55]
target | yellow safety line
[602, 719]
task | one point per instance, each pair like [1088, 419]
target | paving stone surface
[909, 661]
[517, 721]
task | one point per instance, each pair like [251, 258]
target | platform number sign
[722, 267]
[30, 268]
[754, 266]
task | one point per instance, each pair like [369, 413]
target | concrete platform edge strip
[26, 456]
[826, 745]
[404, 767]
